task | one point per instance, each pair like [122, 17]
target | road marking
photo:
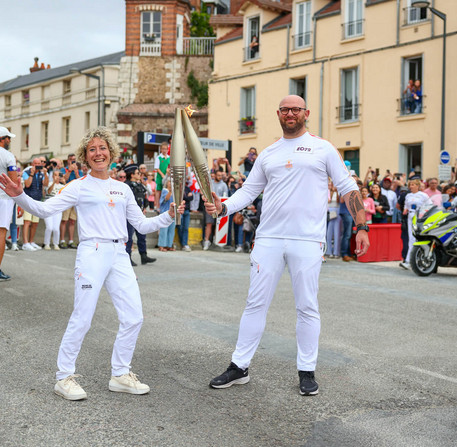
[433, 374]
[14, 291]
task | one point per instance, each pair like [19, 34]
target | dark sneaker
[72, 245]
[308, 386]
[4, 276]
[233, 376]
[63, 245]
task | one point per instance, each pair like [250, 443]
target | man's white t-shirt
[293, 175]
[7, 162]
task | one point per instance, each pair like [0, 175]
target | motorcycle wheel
[420, 264]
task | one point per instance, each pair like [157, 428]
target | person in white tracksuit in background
[104, 206]
[293, 175]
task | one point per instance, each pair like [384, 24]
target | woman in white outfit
[104, 205]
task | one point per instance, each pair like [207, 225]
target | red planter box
[385, 243]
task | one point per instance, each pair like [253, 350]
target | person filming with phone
[35, 179]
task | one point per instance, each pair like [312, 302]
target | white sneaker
[14, 247]
[28, 247]
[47, 247]
[56, 247]
[69, 389]
[206, 245]
[405, 265]
[128, 383]
[238, 249]
[35, 246]
[186, 248]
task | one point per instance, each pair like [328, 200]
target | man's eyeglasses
[122, 176]
[295, 110]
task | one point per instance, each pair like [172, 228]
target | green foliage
[199, 25]
[198, 90]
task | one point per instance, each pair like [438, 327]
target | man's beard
[294, 129]
[6, 146]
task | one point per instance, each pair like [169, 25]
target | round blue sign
[445, 158]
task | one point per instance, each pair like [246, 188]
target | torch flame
[189, 110]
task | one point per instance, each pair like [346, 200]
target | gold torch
[178, 163]
[197, 157]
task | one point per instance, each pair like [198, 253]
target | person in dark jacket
[381, 204]
[183, 229]
[140, 192]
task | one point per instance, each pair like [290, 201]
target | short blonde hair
[105, 134]
[416, 181]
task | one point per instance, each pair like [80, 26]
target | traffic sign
[445, 157]
[444, 172]
[207, 143]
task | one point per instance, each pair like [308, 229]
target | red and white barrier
[221, 229]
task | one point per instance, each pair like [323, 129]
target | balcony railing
[198, 46]
[66, 99]
[247, 125]
[415, 15]
[251, 54]
[353, 29]
[151, 48]
[348, 113]
[45, 105]
[90, 93]
[407, 106]
[302, 40]
[8, 112]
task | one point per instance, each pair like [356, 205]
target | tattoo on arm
[355, 205]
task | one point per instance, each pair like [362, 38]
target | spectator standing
[139, 193]
[417, 97]
[413, 201]
[386, 190]
[104, 205]
[433, 192]
[183, 229]
[143, 172]
[368, 204]
[53, 222]
[69, 216]
[35, 180]
[381, 204]
[121, 176]
[248, 160]
[348, 223]
[161, 165]
[334, 223]
[166, 234]
[221, 189]
[151, 185]
[8, 167]
[408, 97]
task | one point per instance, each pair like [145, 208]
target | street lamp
[442, 16]
[90, 75]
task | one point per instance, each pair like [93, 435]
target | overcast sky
[59, 32]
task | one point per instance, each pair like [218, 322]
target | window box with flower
[247, 124]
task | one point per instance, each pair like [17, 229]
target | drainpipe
[398, 22]
[321, 100]
[314, 38]
[288, 45]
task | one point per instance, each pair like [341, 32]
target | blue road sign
[445, 157]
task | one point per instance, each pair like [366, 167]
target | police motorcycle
[435, 230]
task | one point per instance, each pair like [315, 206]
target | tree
[199, 25]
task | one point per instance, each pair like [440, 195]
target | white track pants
[268, 259]
[52, 228]
[99, 264]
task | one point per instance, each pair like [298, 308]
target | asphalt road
[387, 363]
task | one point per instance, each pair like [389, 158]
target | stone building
[159, 57]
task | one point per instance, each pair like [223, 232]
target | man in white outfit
[7, 166]
[293, 175]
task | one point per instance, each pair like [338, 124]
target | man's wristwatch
[224, 210]
[362, 227]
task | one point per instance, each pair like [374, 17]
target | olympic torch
[178, 163]
[198, 158]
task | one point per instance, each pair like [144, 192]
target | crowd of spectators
[387, 198]
[390, 198]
